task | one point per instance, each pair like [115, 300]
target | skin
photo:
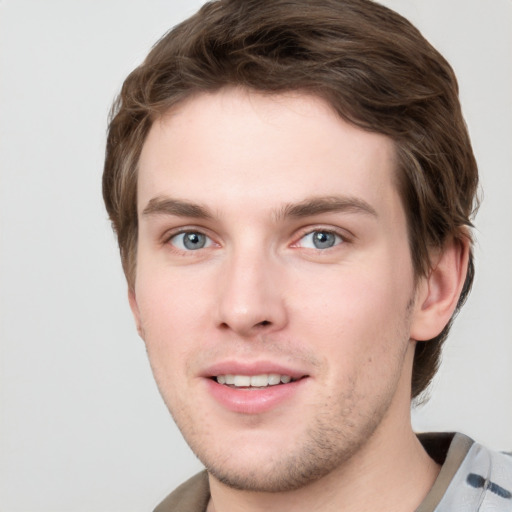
[260, 292]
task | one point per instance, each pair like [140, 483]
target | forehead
[236, 146]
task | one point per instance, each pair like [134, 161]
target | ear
[135, 311]
[438, 293]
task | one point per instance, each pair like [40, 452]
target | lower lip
[253, 400]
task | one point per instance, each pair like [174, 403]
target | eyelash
[342, 238]
[187, 231]
[339, 240]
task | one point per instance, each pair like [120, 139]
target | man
[292, 186]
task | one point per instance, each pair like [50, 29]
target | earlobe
[135, 311]
[438, 293]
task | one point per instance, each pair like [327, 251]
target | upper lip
[251, 369]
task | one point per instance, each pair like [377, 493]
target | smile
[255, 394]
[253, 381]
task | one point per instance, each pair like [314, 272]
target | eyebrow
[319, 205]
[307, 208]
[177, 207]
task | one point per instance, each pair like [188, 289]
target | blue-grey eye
[320, 240]
[190, 241]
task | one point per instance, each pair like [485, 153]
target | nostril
[245, 326]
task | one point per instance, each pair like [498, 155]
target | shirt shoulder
[480, 479]
[191, 496]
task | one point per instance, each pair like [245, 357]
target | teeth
[255, 381]
[259, 381]
[242, 381]
[274, 379]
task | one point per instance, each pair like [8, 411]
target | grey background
[82, 427]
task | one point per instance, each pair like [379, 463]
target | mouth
[254, 388]
[262, 381]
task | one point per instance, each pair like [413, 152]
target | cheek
[172, 314]
[169, 297]
[354, 299]
[359, 321]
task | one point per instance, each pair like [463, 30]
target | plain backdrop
[82, 426]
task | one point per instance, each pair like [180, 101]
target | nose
[251, 295]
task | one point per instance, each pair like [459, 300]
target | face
[274, 286]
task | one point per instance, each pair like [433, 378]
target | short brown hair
[370, 64]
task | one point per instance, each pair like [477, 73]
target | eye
[320, 240]
[190, 241]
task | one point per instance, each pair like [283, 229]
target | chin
[311, 457]
[288, 475]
